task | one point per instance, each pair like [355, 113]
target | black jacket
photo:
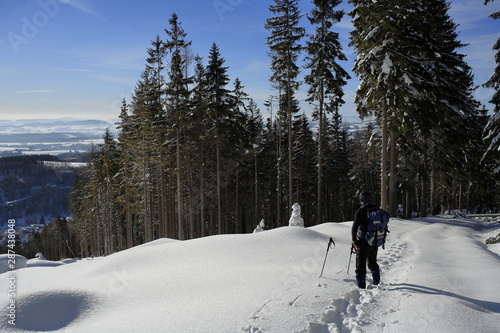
[360, 220]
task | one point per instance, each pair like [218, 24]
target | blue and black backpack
[376, 228]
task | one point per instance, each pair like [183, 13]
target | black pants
[366, 253]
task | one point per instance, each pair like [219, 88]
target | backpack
[376, 229]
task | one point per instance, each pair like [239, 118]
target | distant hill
[50, 136]
[60, 125]
[35, 188]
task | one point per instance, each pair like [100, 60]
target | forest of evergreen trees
[195, 157]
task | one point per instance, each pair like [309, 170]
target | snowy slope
[438, 276]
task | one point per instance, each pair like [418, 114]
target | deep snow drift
[437, 274]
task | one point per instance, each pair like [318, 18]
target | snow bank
[6, 260]
[437, 277]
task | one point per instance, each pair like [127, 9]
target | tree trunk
[290, 147]
[383, 171]
[202, 201]
[393, 200]
[433, 187]
[219, 202]
[256, 181]
[239, 224]
[180, 211]
[320, 154]
[192, 231]
[278, 162]
[425, 196]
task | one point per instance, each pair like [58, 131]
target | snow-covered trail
[444, 279]
[437, 276]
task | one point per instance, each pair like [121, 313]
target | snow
[407, 79]
[387, 65]
[6, 260]
[437, 276]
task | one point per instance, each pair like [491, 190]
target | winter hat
[365, 197]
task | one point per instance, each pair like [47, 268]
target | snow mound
[40, 261]
[36, 262]
[6, 260]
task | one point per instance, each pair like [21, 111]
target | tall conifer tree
[220, 101]
[492, 130]
[284, 51]
[177, 103]
[326, 77]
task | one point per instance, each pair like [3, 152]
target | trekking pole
[350, 256]
[330, 242]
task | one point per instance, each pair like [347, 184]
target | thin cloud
[34, 91]
[78, 70]
[80, 6]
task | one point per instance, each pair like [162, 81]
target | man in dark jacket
[364, 252]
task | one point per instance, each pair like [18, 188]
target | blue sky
[80, 58]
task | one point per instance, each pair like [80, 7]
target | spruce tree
[376, 37]
[149, 134]
[337, 169]
[198, 136]
[284, 51]
[178, 104]
[411, 71]
[304, 161]
[326, 77]
[220, 102]
[105, 167]
[254, 128]
[492, 130]
[127, 190]
[452, 107]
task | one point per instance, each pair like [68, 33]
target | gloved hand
[355, 246]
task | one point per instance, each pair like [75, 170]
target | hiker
[364, 252]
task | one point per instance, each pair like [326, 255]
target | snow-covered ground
[437, 274]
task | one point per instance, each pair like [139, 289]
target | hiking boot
[361, 280]
[376, 277]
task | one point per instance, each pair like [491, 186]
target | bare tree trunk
[192, 232]
[145, 194]
[180, 210]
[383, 171]
[161, 207]
[278, 162]
[460, 193]
[393, 200]
[425, 196]
[219, 201]
[406, 204]
[237, 203]
[433, 186]
[128, 216]
[320, 155]
[202, 199]
[256, 181]
[290, 147]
